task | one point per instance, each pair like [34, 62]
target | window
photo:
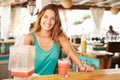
[87, 26]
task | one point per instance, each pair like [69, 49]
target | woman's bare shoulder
[29, 35]
[28, 39]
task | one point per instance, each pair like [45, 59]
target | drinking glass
[63, 65]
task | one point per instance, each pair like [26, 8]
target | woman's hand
[86, 68]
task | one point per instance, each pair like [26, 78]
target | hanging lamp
[66, 3]
[31, 7]
[114, 10]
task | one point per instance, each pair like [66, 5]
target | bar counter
[105, 74]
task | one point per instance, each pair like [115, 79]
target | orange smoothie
[63, 67]
[22, 74]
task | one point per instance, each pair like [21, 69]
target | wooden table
[7, 43]
[101, 54]
[105, 74]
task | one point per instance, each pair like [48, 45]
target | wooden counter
[105, 74]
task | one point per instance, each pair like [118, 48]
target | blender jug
[21, 61]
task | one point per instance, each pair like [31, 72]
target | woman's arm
[64, 42]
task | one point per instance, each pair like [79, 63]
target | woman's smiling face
[48, 20]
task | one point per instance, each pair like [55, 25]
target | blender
[21, 62]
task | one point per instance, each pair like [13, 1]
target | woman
[49, 38]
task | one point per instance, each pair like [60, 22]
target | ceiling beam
[83, 2]
[115, 4]
[81, 7]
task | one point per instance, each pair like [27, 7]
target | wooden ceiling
[15, 3]
[86, 4]
[76, 4]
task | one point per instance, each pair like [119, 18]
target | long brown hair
[56, 30]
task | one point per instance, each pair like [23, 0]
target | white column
[5, 21]
[41, 3]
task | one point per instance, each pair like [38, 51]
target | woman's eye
[45, 16]
[53, 18]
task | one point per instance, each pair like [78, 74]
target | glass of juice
[63, 65]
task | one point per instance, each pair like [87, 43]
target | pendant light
[31, 7]
[66, 3]
[114, 10]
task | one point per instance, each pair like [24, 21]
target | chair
[90, 61]
[114, 47]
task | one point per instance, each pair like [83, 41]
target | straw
[68, 56]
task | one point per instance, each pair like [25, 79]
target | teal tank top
[45, 61]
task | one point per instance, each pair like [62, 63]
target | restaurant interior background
[16, 20]
[90, 17]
